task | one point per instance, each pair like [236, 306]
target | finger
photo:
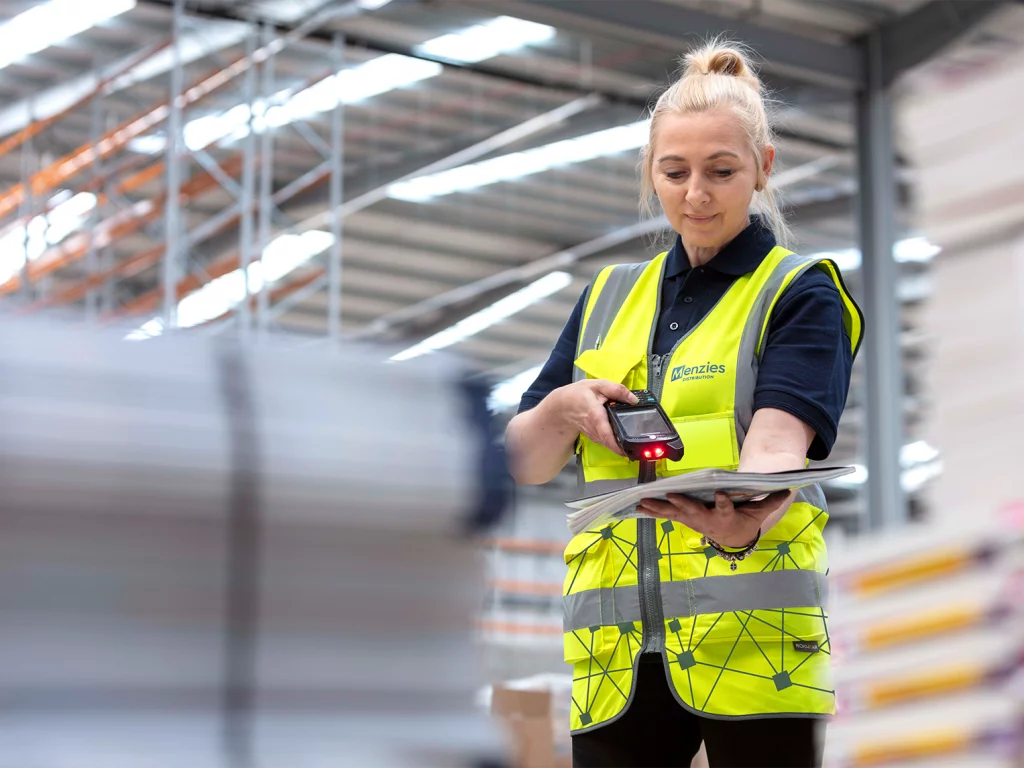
[613, 391]
[723, 504]
[605, 436]
[659, 508]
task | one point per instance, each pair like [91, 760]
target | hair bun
[716, 58]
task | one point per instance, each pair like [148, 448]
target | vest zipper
[657, 364]
[649, 575]
[652, 612]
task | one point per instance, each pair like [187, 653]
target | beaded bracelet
[733, 558]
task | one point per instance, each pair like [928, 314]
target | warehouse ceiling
[534, 102]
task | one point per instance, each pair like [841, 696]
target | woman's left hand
[724, 523]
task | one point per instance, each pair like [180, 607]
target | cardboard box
[526, 717]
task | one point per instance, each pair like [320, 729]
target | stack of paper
[701, 486]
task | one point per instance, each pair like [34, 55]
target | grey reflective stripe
[609, 301]
[744, 592]
[747, 360]
[600, 607]
[607, 305]
[693, 597]
[813, 495]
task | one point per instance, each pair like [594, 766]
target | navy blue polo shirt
[807, 361]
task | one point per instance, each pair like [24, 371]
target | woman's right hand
[581, 407]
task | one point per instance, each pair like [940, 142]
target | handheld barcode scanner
[644, 433]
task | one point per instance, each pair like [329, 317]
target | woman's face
[704, 175]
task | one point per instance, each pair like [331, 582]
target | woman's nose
[695, 194]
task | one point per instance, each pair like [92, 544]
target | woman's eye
[723, 173]
[676, 174]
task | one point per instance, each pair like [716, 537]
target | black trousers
[656, 732]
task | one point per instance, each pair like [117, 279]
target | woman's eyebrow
[681, 159]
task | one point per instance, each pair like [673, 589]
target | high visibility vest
[747, 643]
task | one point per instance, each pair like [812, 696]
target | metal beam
[175, 145]
[884, 429]
[247, 189]
[366, 198]
[369, 190]
[800, 57]
[267, 82]
[534, 125]
[920, 35]
[337, 191]
[65, 168]
[431, 315]
[157, 60]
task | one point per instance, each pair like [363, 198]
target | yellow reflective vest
[735, 644]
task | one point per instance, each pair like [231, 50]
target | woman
[708, 624]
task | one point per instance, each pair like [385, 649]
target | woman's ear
[767, 161]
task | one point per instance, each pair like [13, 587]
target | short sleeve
[808, 359]
[557, 371]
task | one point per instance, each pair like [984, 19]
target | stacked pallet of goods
[927, 638]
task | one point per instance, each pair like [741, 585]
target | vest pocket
[601, 608]
[609, 363]
[596, 455]
[708, 441]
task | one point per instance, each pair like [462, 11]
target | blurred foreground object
[927, 639]
[215, 555]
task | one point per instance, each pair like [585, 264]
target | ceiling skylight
[350, 86]
[50, 23]
[519, 164]
[484, 41]
[356, 84]
[485, 318]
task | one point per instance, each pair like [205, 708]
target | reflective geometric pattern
[736, 663]
[603, 655]
[751, 662]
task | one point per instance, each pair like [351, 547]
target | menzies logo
[696, 372]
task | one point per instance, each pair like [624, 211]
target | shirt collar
[743, 254]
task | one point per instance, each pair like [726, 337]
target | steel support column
[92, 259]
[175, 145]
[247, 196]
[337, 195]
[266, 179]
[877, 199]
[25, 214]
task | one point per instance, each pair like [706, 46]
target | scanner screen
[644, 422]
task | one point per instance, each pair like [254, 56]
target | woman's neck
[699, 255]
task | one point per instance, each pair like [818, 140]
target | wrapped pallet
[218, 556]
[927, 638]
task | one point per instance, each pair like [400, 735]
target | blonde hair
[718, 75]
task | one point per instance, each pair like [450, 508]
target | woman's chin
[700, 239]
